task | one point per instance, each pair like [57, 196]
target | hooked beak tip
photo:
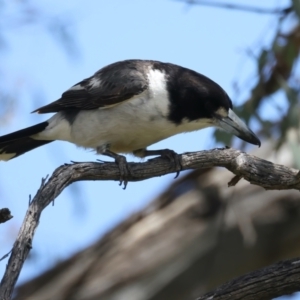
[249, 137]
[256, 141]
[233, 124]
[259, 143]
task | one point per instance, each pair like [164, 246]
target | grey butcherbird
[127, 106]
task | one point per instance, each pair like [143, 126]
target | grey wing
[109, 86]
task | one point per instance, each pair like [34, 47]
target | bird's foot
[174, 158]
[165, 153]
[124, 169]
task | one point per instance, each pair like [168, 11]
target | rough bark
[277, 280]
[253, 169]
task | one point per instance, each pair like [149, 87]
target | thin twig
[247, 8]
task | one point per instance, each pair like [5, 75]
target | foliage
[17, 16]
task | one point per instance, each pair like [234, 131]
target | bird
[127, 106]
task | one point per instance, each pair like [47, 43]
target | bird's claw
[121, 161]
[174, 158]
[124, 170]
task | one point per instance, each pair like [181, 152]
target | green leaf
[296, 6]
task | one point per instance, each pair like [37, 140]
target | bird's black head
[195, 97]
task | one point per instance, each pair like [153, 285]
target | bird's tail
[20, 142]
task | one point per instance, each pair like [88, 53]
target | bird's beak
[233, 124]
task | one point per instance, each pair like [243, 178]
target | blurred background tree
[21, 17]
[275, 91]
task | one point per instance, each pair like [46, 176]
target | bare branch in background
[277, 280]
[247, 8]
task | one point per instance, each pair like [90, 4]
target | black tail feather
[19, 142]
[23, 132]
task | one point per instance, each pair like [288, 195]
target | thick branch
[277, 280]
[253, 169]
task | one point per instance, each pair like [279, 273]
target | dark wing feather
[109, 86]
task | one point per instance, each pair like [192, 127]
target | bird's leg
[165, 153]
[122, 164]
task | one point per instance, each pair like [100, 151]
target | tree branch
[246, 8]
[253, 169]
[277, 280]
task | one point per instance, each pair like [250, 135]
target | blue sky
[211, 41]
